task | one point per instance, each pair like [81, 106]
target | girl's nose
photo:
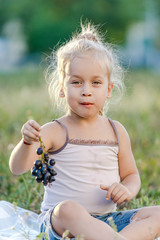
[86, 91]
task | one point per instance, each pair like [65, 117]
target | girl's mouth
[87, 104]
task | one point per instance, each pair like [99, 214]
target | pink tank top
[81, 167]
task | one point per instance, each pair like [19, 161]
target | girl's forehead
[92, 61]
[86, 56]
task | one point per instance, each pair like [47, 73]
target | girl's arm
[130, 180]
[127, 167]
[23, 156]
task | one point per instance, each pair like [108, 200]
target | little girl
[95, 166]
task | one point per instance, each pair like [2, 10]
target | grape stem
[41, 143]
[42, 146]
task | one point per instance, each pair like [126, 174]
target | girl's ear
[61, 93]
[110, 87]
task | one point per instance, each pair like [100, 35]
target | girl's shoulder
[50, 127]
[53, 135]
[119, 126]
[122, 132]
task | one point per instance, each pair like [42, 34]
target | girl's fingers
[29, 140]
[32, 130]
[118, 188]
[110, 190]
[104, 187]
[122, 199]
[34, 124]
[118, 195]
[116, 192]
[30, 137]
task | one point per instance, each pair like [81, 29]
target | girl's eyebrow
[97, 76]
[77, 76]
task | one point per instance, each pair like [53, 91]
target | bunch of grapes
[43, 169]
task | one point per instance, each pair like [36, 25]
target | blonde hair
[89, 39]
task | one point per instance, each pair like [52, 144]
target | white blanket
[17, 223]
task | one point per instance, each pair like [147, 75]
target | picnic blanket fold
[17, 223]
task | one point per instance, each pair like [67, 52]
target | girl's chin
[85, 113]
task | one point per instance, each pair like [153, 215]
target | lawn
[23, 95]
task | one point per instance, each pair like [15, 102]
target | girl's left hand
[117, 192]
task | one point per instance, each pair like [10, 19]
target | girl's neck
[72, 118]
[97, 129]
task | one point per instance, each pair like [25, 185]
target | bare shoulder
[122, 132]
[50, 126]
[53, 135]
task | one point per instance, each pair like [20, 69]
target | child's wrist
[26, 143]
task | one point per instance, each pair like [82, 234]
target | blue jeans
[117, 220]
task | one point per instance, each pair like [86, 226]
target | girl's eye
[76, 82]
[96, 82]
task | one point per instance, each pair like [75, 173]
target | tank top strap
[65, 128]
[114, 128]
[67, 137]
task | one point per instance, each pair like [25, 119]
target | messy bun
[87, 40]
[89, 32]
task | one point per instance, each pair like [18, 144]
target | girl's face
[86, 86]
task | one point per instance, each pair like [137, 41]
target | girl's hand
[117, 192]
[30, 131]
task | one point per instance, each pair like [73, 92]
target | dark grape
[46, 157]
[44, 170]
[39, 150]
[47, 176]
[39, 174]
[54, 173]
[34, 171]
[52, 162]
[45, 165]
[38, 164]
[51, 170]
[38, 180]
[45, 182]
[52, 179]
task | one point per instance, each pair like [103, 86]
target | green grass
[23, 95]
